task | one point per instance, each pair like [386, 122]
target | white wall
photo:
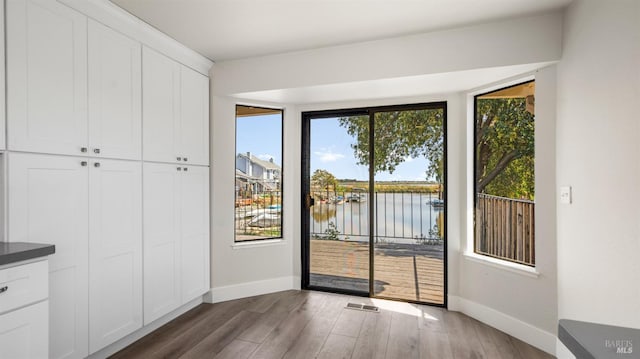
[526, 301]
[597, 154]
[511, 42]
[525, 306]
[244, 270]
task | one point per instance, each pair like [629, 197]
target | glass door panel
[409, 205]
[338, 223]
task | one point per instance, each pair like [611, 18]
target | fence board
[505, 228]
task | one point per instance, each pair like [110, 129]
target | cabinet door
[48, 202]
[2, 81]
[46, 77]
[161, 240]
[194, 117]
[115, 251]
[160, 107]
[115, 90]
[194, 218]
[23, 333]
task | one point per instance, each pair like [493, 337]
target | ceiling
[412, 86]
[232, 29]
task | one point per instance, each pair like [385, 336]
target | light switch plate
[565, 195]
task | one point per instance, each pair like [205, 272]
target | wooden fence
[505, 228]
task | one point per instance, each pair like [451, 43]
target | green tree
[504, 148]
[324, 179]
[504, 144]
[400, 135]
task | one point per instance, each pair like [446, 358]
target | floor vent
[365, 307]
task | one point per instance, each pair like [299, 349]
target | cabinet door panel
[48, 202]
[194, 202]
[194, 119]
[115, 109]
[161, 240]
[23, 333]
[46, 77]
[160, 107]
[2, 81]
[115, 251]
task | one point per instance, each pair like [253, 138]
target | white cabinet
[23, 284]
[91, 210]
[24, 316]
[194, 231]
[161, 115]
[84, 105]
[115, 250]
[2, 81]
[161, 240]
[73, 88]
[115, 102]
[176, 236]
[46, 77]
[175, 106]
[48, 203]
[23, 332]
[194, 117]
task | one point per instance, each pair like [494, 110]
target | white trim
[501, 84]
[124, 22]
[470, 150]
[502, 264]
[144, 331]
[259, 104]
[515, 327]
[258, 243]
[250, 289]
[562, 352]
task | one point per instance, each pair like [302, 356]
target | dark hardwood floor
[307, 324]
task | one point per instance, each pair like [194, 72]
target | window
[504, 178]
[258, 185]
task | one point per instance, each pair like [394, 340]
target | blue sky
[330, 148]
[260, 135]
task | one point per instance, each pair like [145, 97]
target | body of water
[399, 218]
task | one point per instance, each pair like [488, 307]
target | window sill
[504, 265]
[258, 243]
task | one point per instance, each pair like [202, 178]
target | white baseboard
[138, 334]
[562, 352]
[249, 289]
[526, 332]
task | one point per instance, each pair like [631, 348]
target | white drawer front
[24, 333]
[23, 284]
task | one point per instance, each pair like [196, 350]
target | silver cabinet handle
[97, 164]
[179, 168]
[83, 163]
[83, 149]
[4, 289]
[96, 151]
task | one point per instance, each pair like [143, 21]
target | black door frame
[305, 186]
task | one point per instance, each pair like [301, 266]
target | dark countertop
[598, 341]
[11, 252]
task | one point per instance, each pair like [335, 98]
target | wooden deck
[402, 271]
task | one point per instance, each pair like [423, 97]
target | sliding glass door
[337, 190]
[409, 168]
[374, 198]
